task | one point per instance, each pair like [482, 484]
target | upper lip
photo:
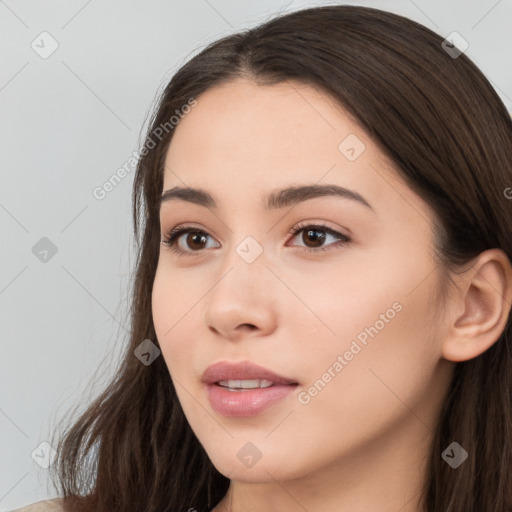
[244, 370]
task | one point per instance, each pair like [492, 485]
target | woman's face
[350, 324]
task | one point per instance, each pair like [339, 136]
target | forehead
[245, 123]
[243, 140]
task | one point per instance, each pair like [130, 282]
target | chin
[267, 464]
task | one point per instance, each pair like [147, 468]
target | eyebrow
[276, 200]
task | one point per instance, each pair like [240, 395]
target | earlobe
[484, 296]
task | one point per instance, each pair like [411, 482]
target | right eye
[195, 237]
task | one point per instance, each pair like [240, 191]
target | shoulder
[54, 505]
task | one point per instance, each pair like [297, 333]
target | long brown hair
[441, 122]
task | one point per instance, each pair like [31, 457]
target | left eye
[315, 234]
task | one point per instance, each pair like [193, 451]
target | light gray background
[67, 123]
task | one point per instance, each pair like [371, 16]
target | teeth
[245, 384]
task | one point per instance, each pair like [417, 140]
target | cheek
[174, 319]
[386, 294]
[336, 303]
[378, 384]
[387, 349]
[379, 339]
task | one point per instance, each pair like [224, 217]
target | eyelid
[317, 224]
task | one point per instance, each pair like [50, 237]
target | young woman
[321, 305]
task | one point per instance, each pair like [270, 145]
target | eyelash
[170, 238]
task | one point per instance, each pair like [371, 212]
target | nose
[244, 300]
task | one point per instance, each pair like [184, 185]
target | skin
[362, 442]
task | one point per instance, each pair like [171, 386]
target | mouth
[244, 385]
[244, 389]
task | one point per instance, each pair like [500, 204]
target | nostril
[249, 327]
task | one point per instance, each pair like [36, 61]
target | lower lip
[246, 403]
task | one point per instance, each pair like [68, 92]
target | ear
[479, 309]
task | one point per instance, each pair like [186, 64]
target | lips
[245, 370]
[245, 389]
